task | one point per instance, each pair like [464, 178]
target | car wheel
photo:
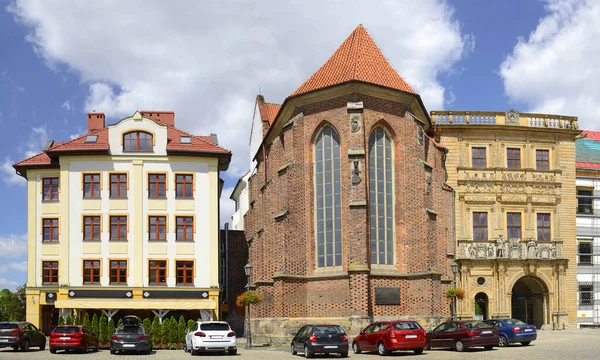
[43, 345]
[459, 346]
[232, 351]
[52, 351]
[307, 352]
[292, 350]
[525, 343]
[355, 348]
[25, 346]
[428, 346]
[381, 349]
[344, 354]
[418, 351]
[113, 351]
[488, 347]
[96, 348]
[15, 348]
[185, 346]
[193, 352]
[86, 349]
[503, 341]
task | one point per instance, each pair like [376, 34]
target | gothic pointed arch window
[328, 198]
[381, 197]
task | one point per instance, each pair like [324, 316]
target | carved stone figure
[356, 173]
[500, 247]
[512, 116]
[532, 249]
[354, 123]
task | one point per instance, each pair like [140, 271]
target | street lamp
[454, 267]
[248, 271]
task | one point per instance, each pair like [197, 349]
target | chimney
[95, 121]
[163, 117]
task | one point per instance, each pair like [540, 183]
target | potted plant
[248, 298]
[455, 293]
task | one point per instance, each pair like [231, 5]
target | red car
[73, 337]
[463, 334]
[387, 336]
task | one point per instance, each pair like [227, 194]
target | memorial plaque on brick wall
[387, 296]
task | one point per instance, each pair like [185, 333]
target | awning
[138, 304]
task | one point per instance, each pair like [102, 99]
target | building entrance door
[528, 300]
[481, 306]
[49, 318]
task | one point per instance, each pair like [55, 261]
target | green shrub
[110, 328]
[181, 330]
[94, 324]
[119, 323]
[86, 320]
[173, 336]
[69, 320]
[147, 324]
[156, 332]
[102, 329]
[190, 324]
[61, 320]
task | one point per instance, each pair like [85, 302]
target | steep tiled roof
[79, 144]
[268, 111]
[358, 58]
[588, 150]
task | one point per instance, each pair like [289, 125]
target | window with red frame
[118, 228]
[543, 227]
[91, 228]
[478, 157]
[50, 272]
[50, 189]
[157, 272]
[480, 226]
[91, 185]
[185, 228]
[185, 272]
[157, 185]
[137, 141]
[542, 161]
[118, 185]
[91, 271]
[118, 271]
[157, 229]
[184, 186]
[50, 230]
[513, 158]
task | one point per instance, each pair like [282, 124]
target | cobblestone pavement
[581, 344]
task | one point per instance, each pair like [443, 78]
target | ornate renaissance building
[515, 204]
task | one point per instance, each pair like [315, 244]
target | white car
[210, 336]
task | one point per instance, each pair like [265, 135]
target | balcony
[514, 249]
[511, 117]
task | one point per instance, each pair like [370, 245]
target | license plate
[330, 347]
[3, 340]
[64, 338]
[528, 330]
[128, 345]
[216, 337]
[486, 332]
[410, 336]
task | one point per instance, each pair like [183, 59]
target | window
[381, 194]
[480, 226]
[586, 295]
[157, 185]
[157, 227]
[513, 222]
[118, 185]
[118, 228]
[541, 160]
[91, 228]
[184, 186]
[91, 185]
[157, 274]
[50, 272]
[137, 141]
[185, 227]
[328, 198]
[50, 189]
[543, 227]
[91, 271]
[50, 230]
[185, 273]
[478, 157]
[118, 271]
[513, 158]
[585, 253]
[585, 201]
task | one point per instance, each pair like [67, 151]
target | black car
[131, 337]
[323, 339]
[21, 335]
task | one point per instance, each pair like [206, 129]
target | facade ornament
[500, 247]
[512, 117]
[354, 123]
[356, 173]
[532, 251]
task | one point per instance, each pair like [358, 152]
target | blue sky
[207, 60]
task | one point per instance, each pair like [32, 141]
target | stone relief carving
[549, 190]
[480, 187]
[354, 123]
[356, 173]
[514, 176]
[515, 249]
[512, 117]
[544, 177]
[513, 189]
[480, 175]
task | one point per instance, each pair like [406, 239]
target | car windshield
[130, 330]
[214, 327]
[475, 324]
[513, 322]
[66, 330]
[328, 329]
[408, 325]
[8, 326]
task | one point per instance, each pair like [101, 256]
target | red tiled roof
[592, 134]
[587, 165]
[79, 144]
[268, 111]
[358, 58]
[435, 143]
[447, 187]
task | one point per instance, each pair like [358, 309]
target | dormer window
[137, 141]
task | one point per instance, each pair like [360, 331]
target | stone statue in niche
[532, 249]
[354, 123]
[356, 173]
[500, 247]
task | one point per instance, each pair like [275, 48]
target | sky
[207, 61]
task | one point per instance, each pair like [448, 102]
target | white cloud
[8, 284]
[13, 246]
[556, 69]
[30, 147]
[9, 175]
[13, 266]
[227, 206]
[66, 105]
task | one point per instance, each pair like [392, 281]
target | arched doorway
[481, 306]
[528, 300]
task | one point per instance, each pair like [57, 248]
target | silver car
[210, 336]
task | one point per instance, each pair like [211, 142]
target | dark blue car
[513, 331]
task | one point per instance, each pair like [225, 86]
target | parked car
[463, 334]
[210, 336]
[21, 335]
[320, 339]
[131, 336]
[513, 331]
[387, 336]
[73, 337]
